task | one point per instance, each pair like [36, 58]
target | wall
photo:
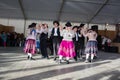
[19, 24]
[103, 26]
[109, 33]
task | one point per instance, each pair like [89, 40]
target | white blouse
[67, 35]
[32, 35]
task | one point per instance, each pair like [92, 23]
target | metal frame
[98, 11]
[61, 8]
[23, 12]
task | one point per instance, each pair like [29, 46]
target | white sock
[29, 54]
[92, 56]
[67, 58]
[38, 50]
[60, 57]
[87, 56]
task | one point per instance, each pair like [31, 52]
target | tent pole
[61, 8]
[97, 12]
[23, 12]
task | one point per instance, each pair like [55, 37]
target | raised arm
[84, 32]
[61, 30]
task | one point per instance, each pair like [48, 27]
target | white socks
[92, 56]
[60, 57]
[38, 50]
[87, 56]
[67, 58]
[29, 54]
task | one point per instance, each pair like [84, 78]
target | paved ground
[15, 66]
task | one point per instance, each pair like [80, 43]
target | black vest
[43, 36]
[80, 39]
[53, 31]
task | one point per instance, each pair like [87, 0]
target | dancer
[81, 41]
[55, 36]
[31, 41]
[76, 42]
[91, 46]
[66, 48]
[43, 40]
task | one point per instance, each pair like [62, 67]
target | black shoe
[91, 60]
[42, 57]
[32, 58]
[86, 61]
[67, 61]
[48, 58]
[54, 59]
[95, 57]
[76, 59]
[38, 52]
[59, 62]
[28, 57]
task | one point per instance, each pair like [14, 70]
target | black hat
[75, 27]
[81, 25]
[68, 24]
[33, 25]
[29, 26]
[56, 22]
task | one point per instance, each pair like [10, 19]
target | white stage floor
[15, 66]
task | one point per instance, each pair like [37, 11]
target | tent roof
[85, 11]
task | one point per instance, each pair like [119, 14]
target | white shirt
[42, 31]
[38, 31]
[104, 40]
[55, 32]
[49, 32]
[76, 34]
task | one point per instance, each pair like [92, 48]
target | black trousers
[76, 44]
[50, 45]
[56, 44]
[43, 48]
[79, 49]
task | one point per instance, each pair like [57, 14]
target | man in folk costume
[91, 46]
[81, 40]
[30, 44]
[55, 36]
[66, 48]
[76, 42]
[43, 39]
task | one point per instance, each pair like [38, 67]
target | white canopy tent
[78, 11]
[86, 11]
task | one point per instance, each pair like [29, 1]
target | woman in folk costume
[91, 46]
[31, 41]
[66, 48]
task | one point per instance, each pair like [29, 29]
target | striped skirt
[30, 46]
[91, 47]
[67, 49]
